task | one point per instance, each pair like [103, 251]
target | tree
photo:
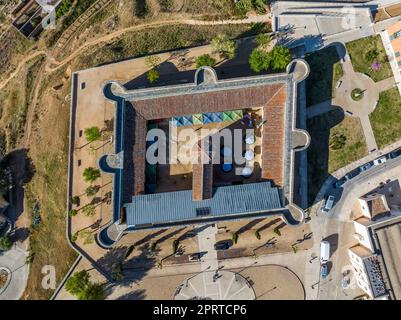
[80, 286]
[205, 60]
[117, 271]
[371, 55]
[175, 245]
[92, 190]
[78, 282]
[5, 243]
[94, 291]
[263, 40]
[153, 75]
[152, 61]
[92, 134]
[259, 60]
[337, 141]
[91, 174]
[257, 235]
[224, 46]
[89, 210]
[280, 57]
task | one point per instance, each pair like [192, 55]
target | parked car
[379, 161]
[365, 167]
[394, 154]
[324, 271]
[324, 251]
[223, 245]
[328, 204]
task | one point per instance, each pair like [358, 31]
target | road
[337, 223]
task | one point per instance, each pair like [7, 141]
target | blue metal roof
[179, 206]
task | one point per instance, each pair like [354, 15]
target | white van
[328, 204]
[324, 251]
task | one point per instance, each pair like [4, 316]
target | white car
[379, 161]
[328, 204]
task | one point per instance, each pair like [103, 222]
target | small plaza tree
[92, 134]
[91, 174]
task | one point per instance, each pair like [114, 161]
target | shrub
[152, 61]
[259, 60]
[175, 245]
[235, 237]
[5, 243]
[153, 75]
[257, 235]
[338, 141]
[262, 40]
[205, 60]
[92, 134]
[91, 174]
[75, 200]
[243, 6]
[371, 55]
[78, 282]
[153, 247]
[73, 213]
[224, 46]
[94, 291]
[74, 237]
[280, 58]
[89, 210]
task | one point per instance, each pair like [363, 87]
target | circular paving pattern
[224, 285]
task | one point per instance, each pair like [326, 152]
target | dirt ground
[248, 244]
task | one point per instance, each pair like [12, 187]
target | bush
[224, 46]
[371, 55]
[153, 75]
[91, 174]
[205, 60]
[259, 60]
[92, 134]
[78, 282]
[74, 237]
[89, 210]
[5, 243]
[73, 213]
[257, 235]
[235, 238]
[262, 40]
[175, 245]
[338, 141]
[94, 291]
[152, 61]
[153, 247]
[280, 58]
[244, 6]
[75, 200]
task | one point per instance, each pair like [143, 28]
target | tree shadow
[149, 237]
[22, 170]
[20, 234]
[134, 295]
[248, 226]
[269, 224]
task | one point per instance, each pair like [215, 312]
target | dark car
[324, 271]
[394, 154]
[339, 183]
[223, 245]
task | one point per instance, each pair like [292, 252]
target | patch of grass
[364, 52]
[386, 118]
[152, 40]
[323, 160]
[325, 71]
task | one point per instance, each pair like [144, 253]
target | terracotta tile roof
[272, 97]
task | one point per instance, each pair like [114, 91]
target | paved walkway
[14, 260]
[342, 97]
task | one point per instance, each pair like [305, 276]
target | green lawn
[386, 119]
[323, 159]
[325, 70]
[364, 52]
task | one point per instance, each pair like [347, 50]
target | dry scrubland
[44, 102]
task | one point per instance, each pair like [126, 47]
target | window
[397, 53]
[202, 211]
[83, 85]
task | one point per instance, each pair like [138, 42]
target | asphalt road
[337, 226]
